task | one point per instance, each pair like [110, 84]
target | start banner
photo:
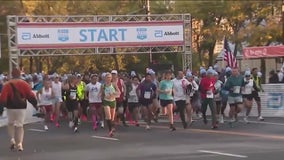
[88, 35]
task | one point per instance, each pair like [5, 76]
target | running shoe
[45, 128]
[102, 124]
[125, 125]
[20, 147]
[214, 127]
[110, 134]
[246, 120]
[95, 127]
[71, 124]
[76, 130]
[231, 122]
[13, 144]
[260, 118]
[52, 117]
[173, 128]
[57, 125]
[147, 127]
[184, 125]
[79, 121]
[221, 119]
[204, 119]
[83, 118]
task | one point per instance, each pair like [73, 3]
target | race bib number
[209, 95]
[73, 95]
[237, 89]
[147, 95]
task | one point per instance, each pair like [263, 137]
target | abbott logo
[26, 36]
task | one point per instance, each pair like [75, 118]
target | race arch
[99, 34]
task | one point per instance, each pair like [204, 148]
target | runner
[224, 93]
[217, 97]
[83, 103]
[206, 88]
[193, 97]
[146, 93]
[179, 88]
[166, 97]
[257, 81]
[247, 92]
[45, 101]
[235, 100]
[109, 92]
[132, 99]
[95, 102]
[120, 108]
[57, 92]
[72, 102]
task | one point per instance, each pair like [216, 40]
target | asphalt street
[254, 141]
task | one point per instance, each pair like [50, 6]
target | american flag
[229, 56]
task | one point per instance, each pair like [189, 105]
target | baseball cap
[114, 72]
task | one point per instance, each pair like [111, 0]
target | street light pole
[283, 22]
[149, 19]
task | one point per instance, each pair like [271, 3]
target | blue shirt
[166, 85]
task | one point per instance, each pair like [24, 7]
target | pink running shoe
[57, 125]
[52, 117]
[95, 127]
[83, 118]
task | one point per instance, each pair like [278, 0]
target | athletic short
[95, 106]
[235, 100]
[132, 106]
[248, 97]
[111, 104]
[57, 100]
[255, 96]
[180, 104]
[164, 103]
[72, 105]
[146, 102]
[16, 117]
[48, 108]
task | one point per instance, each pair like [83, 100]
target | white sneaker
[260, 118]
[221, 119]
[102, 124]
[45, 128]
[75, 129]
[148, 127]
[246, 119]
[71, 124]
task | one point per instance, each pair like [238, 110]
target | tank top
[57, 89]
[45, 97]
[72, 93]
[133, 94]
[119, 98]
[107, 91]
[248, 88]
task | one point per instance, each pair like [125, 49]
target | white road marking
[261, 122]
[37, 130]
[106, 138]
[223, 154]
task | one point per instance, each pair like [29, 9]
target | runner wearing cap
[120, 108]
[45, 97]
[57, 92]
[83, 104]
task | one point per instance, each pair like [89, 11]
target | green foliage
[212, 21]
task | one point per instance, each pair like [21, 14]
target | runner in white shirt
[57, 92]
[45, 97]
[179, 88]
[92, 91]
[132, 99]
[247, 88]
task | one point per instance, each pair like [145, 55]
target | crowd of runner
[112, 97]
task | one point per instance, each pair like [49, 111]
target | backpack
[16, 100]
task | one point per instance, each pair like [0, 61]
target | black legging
[180, 107]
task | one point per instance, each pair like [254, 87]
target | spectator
[14, 95]
[273, 77]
